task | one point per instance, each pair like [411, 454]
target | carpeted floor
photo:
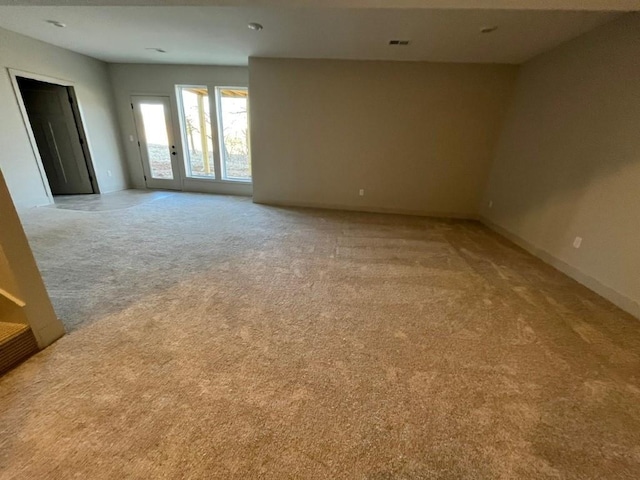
[213, 338]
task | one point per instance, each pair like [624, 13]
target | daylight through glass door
[157, 146]
[156, 140]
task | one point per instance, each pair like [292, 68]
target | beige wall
[568, 161]
[417, 137]
[93, 90]
[136, 79]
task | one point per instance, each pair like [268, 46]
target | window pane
[234, 133]
[196, 131]
[157, 141]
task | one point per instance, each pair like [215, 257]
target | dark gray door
[56, 133]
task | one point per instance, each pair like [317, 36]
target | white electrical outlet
[490, 203]
[361, 193]
[131, 139]
[577, 242]
[109, 173]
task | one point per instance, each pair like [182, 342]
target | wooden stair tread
[10, 330]
[17, 343]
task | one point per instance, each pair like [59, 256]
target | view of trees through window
[233, 132]
[197, 130]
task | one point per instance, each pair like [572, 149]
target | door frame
[176, 158]
[77, 114]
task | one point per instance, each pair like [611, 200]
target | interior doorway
[57, 128]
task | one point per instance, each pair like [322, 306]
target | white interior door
[158, 149]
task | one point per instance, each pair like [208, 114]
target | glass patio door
[158, 149]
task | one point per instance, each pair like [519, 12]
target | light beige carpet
[214, 338]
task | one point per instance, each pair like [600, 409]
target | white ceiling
[219, 35]
[589, 5]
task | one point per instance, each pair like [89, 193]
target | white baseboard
[622, 301]
[365, 209]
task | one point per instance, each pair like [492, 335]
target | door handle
[173, 153]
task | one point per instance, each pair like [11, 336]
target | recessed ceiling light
[159, 50]
[489, 29]
[255, 26]
[56, 23]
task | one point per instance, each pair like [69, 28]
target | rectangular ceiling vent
[398, 42]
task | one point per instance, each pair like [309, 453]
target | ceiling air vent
[398, 42]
